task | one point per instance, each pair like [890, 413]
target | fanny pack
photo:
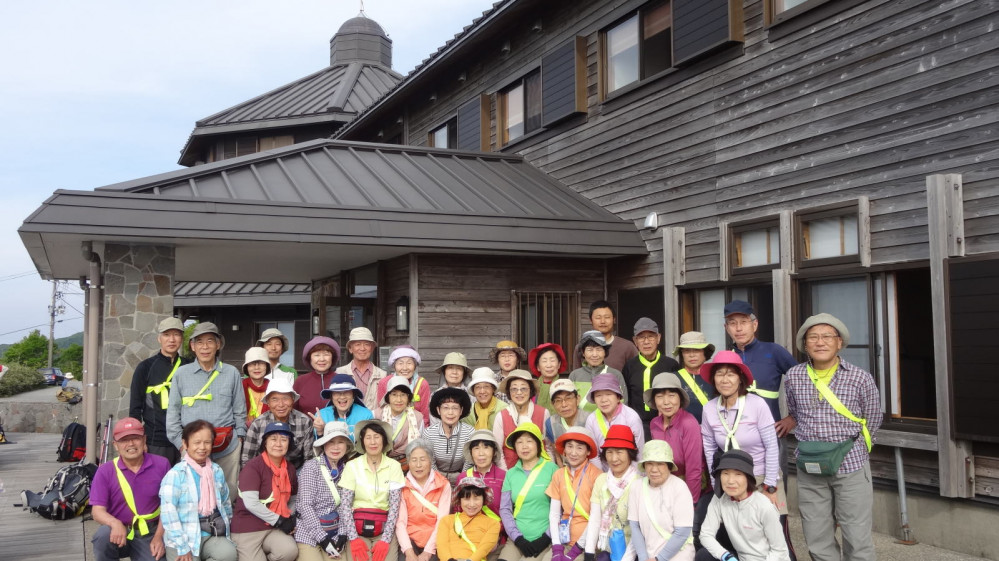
[369, 521]
[223, 436]
[822, 458]
[330, 523]
[213, 524]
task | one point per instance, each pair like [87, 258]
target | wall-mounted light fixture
[537, 27]
[315, 322]
[402, 314]
[433, 97]
[462, 77]
[505, 49]
[651, 222]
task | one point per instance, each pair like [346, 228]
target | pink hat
[729, 358]
[604, 382]
[129, 426]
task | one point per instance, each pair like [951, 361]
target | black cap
[735, 459]
[738, 307]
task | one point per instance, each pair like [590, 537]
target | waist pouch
[223, 436]
[822, 458]
[369, 521]
[330, 524]
[213, 524]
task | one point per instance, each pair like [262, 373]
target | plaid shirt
[819, 422]
[179, 507]
[227, 407]
[301, 428]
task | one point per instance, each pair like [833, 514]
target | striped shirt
[226, 408]
[448, 456]
[819, 422]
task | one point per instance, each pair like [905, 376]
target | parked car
[53, 376]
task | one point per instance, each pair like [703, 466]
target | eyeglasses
[825, 337]
[520, 390]
[564, 400]
[450, 408]
[739, 322]
[206, 342]
[649, 337]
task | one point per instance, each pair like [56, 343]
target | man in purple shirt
[125, 498]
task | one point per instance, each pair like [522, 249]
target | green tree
[71, 360]
[32, 351]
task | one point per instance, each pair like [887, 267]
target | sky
[94, 93]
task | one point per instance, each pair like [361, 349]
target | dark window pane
[656, 40]
[532, 102]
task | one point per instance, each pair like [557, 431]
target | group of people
[631, 455]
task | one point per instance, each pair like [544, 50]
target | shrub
[20, 379]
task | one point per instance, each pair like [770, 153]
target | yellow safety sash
[602, 422]
[762, 392]
[689, 380]
[571, 494]
[328, 477]
[519, 503]
[485, 509]
[838, 405]
[648, 372]
[730, 436]
[164, 389]
[583, 388]
[460, 530]
[423, 500]
[652, 516]
[402, 423]
[414, 385]
[189, 401]
[137, 519]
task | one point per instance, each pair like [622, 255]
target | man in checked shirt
[833, 401]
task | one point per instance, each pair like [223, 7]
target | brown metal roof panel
[252, 109]
[343, 187]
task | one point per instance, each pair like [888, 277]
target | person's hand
[285, 524]
[541, 543]
[119, 535]
[380, 551]
[410, 555]
[358, 550]
[157, 548]
[771, 496]
[186, 557]
[524, 546]
[785, 425]
[425, 556]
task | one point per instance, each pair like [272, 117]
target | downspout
[92, 311]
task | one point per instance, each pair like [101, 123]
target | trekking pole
[105, 442]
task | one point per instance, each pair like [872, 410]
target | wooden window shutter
[701, 26]
[473, 124]
[563, 81]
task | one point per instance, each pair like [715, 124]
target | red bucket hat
[730, 358]
[619, 436]
[532, 357]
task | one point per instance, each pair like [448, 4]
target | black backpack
[65, 495]
[73, 445]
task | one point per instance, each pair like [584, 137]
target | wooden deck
[27, 463]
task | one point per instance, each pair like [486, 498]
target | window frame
[855, 208]
[502, 128]
[761, 224]
[519, 299]
[689, 308]
[451, 125]
[603, 68]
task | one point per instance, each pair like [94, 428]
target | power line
[39, 325]
[16, 276]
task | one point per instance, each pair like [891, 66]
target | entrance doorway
[344, 314]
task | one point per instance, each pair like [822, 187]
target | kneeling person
[125, 498]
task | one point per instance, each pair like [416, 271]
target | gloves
[524, 546]
[340, 543]
[558, 552]
[380, 551]
[727, 556]
[589, 557]
[286, 525]
[573, 553]
[327, 546]
[540, 544]
[358, 550]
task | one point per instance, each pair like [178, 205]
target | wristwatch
[770, 489]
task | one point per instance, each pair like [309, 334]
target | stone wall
[138, 294]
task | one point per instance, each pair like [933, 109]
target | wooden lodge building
[668, 155]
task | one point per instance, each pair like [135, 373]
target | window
[835, 236]
[547, 317]
[704, 310]
[446, 135]
[780, 6]
[520, 105]
[755, 247]
[288, 330]
[638, 47]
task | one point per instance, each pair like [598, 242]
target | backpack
[69, 395]
[73, 445]
[65, 495]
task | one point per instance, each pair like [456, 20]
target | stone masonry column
[138, 294]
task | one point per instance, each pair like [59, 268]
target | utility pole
[53, 312]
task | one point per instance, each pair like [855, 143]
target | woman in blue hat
[345, 404]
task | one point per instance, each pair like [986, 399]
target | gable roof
[354, 202]
[334, 94]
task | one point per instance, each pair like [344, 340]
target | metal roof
[334, 94]
[193, 294]
[349, 203]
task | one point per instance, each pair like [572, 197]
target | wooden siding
[395, 284]
[466, 301]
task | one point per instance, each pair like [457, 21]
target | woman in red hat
[608, 533]
[570, 491]
[547, 362]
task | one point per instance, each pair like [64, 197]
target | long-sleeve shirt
[481, 530]
[600, 500]
[493, 479]
[309, 387]
[179, 507]
[819, 422]
[753, 526]
[598, 425]
[418, 524]
[250, 514]
[148, 407]
[421, 395]
[448, 457]
[362, 488]
[755, 434]
[768, 362]
[583, 376]
[532, 520]
[636, 382]
[683, 434]
[314, 500]
[226, 408]
[367, 380]
[301, 445]
[673, 510]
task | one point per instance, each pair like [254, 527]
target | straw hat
[359, 428]
[695, 340]
[665, 381]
